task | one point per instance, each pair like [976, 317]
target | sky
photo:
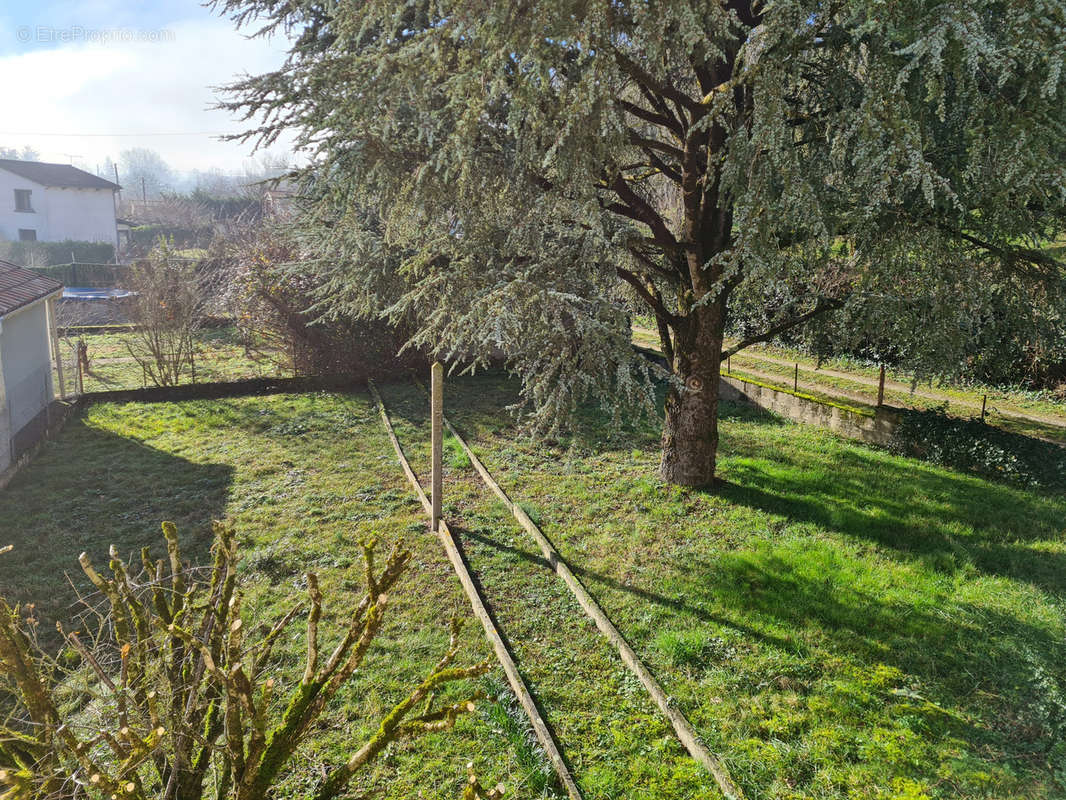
[86, 79]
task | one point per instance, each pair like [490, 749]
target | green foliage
[144, 237]
[971, 445]
[536, 170]
[693, 649]
[50, 254]
[457, 457]
[505, 715]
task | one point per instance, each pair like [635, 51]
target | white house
[55, 202]
[26, 389]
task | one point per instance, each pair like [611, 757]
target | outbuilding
[26, 346]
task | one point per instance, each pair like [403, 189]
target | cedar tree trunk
[690, 428]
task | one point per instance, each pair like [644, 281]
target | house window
[27, 235]
[22, 200]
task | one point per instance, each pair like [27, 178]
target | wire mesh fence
[114, 358]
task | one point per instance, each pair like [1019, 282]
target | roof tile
[19, 287]
[63, 175]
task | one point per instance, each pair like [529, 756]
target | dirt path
[890, 385]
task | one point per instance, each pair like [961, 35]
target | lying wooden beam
[682, 727]
[503, 655]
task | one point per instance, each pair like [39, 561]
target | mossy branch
[178, 687]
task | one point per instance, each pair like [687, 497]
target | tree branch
[637, 208]
[818, 310]
[1010, 255]
[649, 296]
[654, 118]
[646, 79]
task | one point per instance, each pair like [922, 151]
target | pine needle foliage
[887, 170]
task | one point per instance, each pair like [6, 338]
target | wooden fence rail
[686, 734]
[477, 603]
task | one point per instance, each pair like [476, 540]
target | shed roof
[63, 175]
[20, 287]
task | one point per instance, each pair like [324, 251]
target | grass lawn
[835, 621]
[1028, 413]
[220, 356]
[303, 478]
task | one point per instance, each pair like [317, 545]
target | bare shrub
[275, 296]
[172, 698]
[167, 312]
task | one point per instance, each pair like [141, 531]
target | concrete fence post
[437, 424]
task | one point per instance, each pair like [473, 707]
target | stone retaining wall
[876, 428]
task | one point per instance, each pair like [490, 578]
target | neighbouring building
[26, 388]
[55, 202]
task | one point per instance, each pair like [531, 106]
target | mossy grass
[837, 621]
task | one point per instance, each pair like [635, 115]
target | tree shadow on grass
[944, 518]
[984, 655]
[1002, 674]
[590, 579]
[87, 490]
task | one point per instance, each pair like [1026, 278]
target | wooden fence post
[984, 404]
[437, 424]
[881, 387]
[53, 331]
[796, 378]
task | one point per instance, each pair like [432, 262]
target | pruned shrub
[47, 254]
[175, 696]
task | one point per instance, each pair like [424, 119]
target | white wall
[85, 215]
[25, 366]
[5, 423]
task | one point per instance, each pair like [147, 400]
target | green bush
[972, 446]
[144, 237]
[48, 254]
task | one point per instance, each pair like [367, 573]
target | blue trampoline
[85, 293]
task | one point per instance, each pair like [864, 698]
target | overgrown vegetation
[973, 446]
[276, 299]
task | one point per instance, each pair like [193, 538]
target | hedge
[972, 446]
[92, 275]
[46, 254]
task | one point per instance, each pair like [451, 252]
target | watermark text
[47, 34]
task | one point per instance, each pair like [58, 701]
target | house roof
[63, 175]
[20, 287]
